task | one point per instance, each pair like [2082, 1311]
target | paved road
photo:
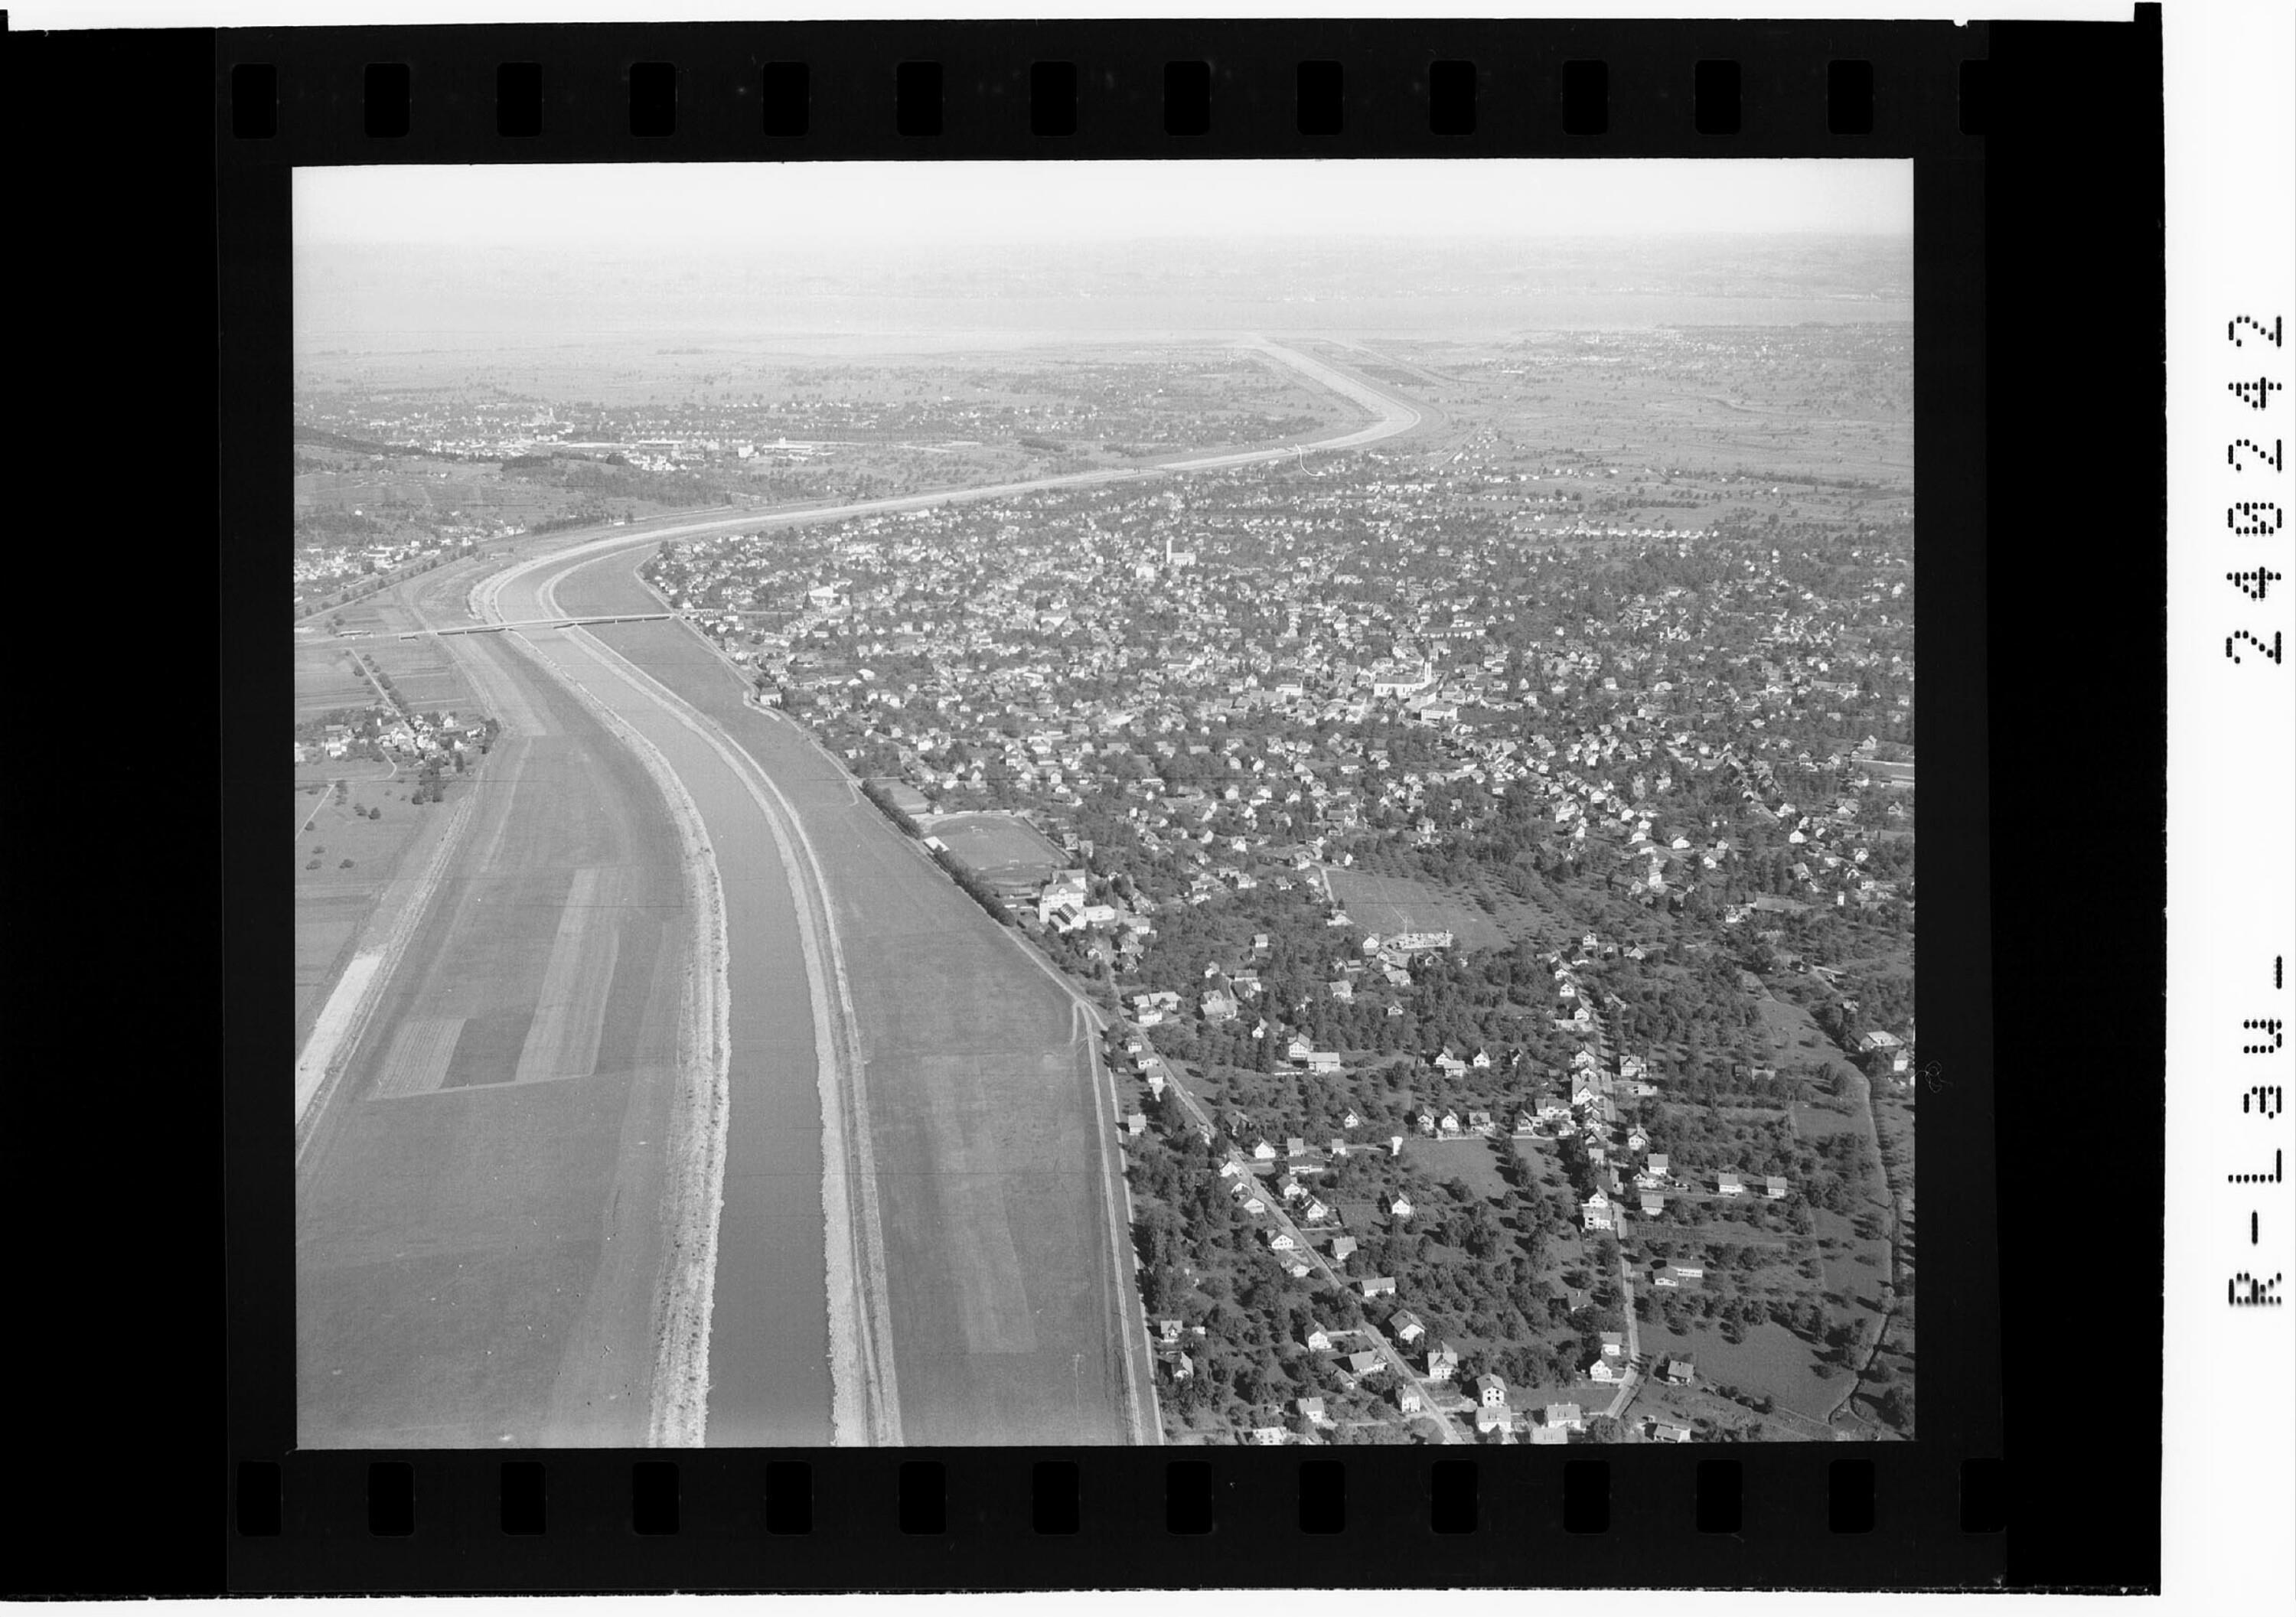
[1396, 1362]
[1386, 1349]
[1634, 1343]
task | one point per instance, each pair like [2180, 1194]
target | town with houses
[1494, 861]
[1501, 893]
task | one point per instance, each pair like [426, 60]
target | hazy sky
[617, 207]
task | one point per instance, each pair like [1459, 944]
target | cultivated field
[476, 1218]
[327, 677]
[333, 898]
[1680, 427]
[425, 672]
[1007, 1319]
[1389, 905]
[334, 901]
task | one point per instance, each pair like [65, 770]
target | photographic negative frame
[1802, 1510]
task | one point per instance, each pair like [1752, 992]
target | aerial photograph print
[1224, 802]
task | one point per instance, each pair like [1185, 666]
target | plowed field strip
[419, 1054]
[570, 1005]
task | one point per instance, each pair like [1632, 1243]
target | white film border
[2229, 1438]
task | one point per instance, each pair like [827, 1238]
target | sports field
[1389, 905]
[477, 1216]
[1009, 1315]
[1002, 849]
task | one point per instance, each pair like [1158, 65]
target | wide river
[769, 1335]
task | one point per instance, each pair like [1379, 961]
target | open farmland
[476, 1244]
[1388, 905]
[335, 901]
[392, 446]
[424, 673]
[1678, 427]
[328, 677]
[1002, 851]
[1009, 1322]
[427, 676]
[344, 860]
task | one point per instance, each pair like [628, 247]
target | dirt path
[1625, 1394]
[1862, 1089]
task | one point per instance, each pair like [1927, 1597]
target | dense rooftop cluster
[1277, 667]
[1646, 727]
[1213, 695]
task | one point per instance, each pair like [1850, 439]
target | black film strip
[1922, 1514]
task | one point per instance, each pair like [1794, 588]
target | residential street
[1283, 1221]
